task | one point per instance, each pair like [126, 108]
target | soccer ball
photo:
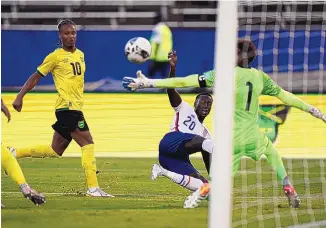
[138, 50]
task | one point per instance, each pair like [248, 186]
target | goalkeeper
[250, 83]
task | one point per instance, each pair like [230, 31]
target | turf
[140, 202]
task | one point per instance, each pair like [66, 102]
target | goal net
[290, 39]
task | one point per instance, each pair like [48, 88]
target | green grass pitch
[143, 203]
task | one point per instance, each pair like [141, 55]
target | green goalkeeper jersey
[250, 83]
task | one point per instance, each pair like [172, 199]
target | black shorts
[68, 121]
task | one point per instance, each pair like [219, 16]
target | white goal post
[226, 33]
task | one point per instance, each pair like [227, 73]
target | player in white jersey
[186, 115]
[187, 135]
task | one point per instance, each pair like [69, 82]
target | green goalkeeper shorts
[253, 150]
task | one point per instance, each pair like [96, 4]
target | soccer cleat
[98, 193]
[156, 171]
[32, 195]
[197, 196]
[3, 206]
[294, 200]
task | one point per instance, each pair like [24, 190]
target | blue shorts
[172, 153]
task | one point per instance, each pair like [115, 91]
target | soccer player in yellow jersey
[12, 169]
[67, 66]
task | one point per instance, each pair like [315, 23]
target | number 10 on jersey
[76, 68]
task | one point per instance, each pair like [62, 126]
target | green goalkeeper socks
[275, 160]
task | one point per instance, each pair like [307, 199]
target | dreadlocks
[62, 23]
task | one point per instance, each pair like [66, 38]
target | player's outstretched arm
[174, 96]
[292, 100]
[28, 86]
[189, 81]
[272, 89]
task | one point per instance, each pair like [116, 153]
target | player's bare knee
[57, 149]
[85, 142]
[194, 145]
[82, 138]
[59, 144]
[88, 141]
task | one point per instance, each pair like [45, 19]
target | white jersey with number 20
[185, 120]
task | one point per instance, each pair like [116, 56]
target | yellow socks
[11, 166]
[89, 165]
[88, 160]
[38, 151]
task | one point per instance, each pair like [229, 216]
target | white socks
[185, 181]
[208, 145]
[93, 189]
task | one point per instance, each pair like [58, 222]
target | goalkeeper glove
[317, 113]
[132, 84]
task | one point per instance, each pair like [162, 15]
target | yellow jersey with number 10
[68, 70]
